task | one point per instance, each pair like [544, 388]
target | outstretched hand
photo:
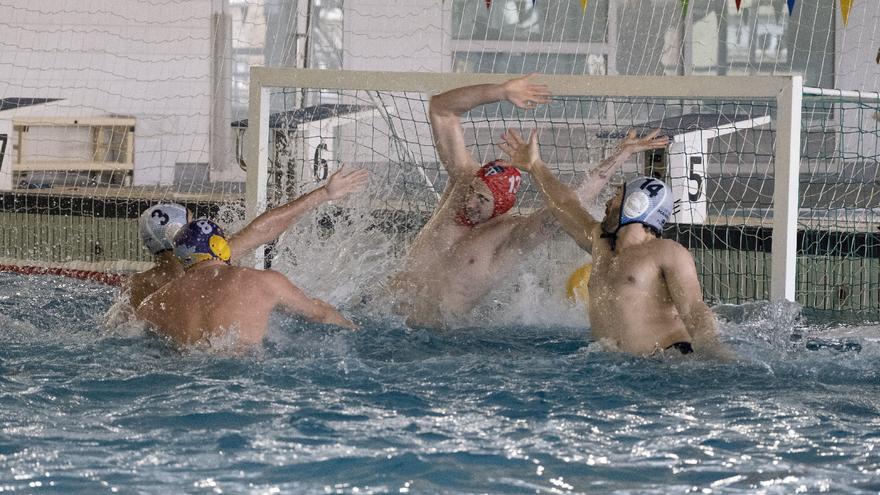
[632, 144]
[341, 184]
[522, 93]
[522, 154]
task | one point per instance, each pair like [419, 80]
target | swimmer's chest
[455, 246]
[635, 269]
[479, 248]
[464, 271]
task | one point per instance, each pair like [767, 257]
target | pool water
[535, 409]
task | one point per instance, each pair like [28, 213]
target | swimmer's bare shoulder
[269, 282]
[140, 285]
[673, 255]
[673, 246]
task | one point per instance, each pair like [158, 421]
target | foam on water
[350, 262]
[512, 408]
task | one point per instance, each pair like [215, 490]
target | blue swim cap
[201, 240]
[647, 201]
[158, 224]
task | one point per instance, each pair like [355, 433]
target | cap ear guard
[647, 201]
[220, 247]
[158, 225]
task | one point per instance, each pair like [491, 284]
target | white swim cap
[159, 223]
[647, 201]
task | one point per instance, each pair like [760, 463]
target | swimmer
[470, 242]
[157, 226]
[212, 297]
[159, 223]
[645, 296]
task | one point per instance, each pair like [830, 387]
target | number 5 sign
[689, 167]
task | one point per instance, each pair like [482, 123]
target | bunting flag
[684, 6]
[584, 5]
[738, 4]
[845, 7]
[488, 4]
[790, 7]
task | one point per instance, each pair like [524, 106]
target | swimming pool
[537, 409]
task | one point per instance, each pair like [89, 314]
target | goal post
[608, 97]
[785, 190]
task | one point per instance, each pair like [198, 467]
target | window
[523, 63]
[524, 20]
[763, 39]
[645, 37]
[267, 32]
[518, 36]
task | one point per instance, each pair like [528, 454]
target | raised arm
[272, 223]
[595, 180]
[566, 205]
[294, 300]
[681, 278]
[562, 202]
[446, 109]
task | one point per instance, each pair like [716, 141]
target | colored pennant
[845, 7]
[790, 6]
[584, 5]
[684, 6]
[738, 4]
[488, 4]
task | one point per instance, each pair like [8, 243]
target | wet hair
[652, 230]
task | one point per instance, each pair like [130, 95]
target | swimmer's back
[212, 299]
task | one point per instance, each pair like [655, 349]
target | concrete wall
[120, 57]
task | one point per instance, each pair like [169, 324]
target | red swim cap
[504, 183]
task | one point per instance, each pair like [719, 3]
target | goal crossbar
[432, 83]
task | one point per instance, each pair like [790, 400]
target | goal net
[109, 107]
[738, 152]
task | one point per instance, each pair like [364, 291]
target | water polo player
[157, 226]
[644, 294]
[472, 241]
[159, 223]
[213, 299]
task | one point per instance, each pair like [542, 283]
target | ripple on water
[512, 409]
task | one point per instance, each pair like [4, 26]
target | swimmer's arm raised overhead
[680, 274]
[562, 202]
[271, 224]
[595, 180]
[446, 109]
[294, 300]
[565, 204]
